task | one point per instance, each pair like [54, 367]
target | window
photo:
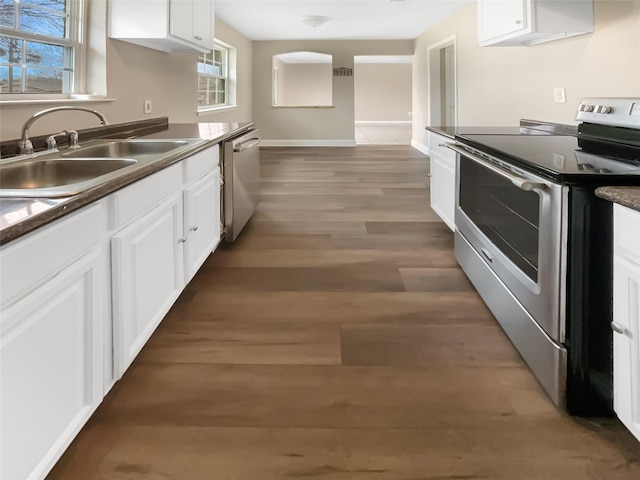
[216, 75]
[40, 46]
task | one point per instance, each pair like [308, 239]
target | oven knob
[603, 109]
[586, 108]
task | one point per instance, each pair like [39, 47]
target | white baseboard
[384, 122]
[308, 143]
[420, 147]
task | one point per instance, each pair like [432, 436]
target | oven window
[507, 215]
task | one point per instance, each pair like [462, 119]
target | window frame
[75, 39]
[229, 77]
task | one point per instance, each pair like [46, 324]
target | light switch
[559, 95]
[146, 106]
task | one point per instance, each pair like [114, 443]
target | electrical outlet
[146, 106]
[559, 95]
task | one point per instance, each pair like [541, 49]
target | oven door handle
[520, 182]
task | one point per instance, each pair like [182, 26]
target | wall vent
[343, 72]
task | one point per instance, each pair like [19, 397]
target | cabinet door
[626, 344]
[147, 277]
[443, 188]
[502, 17]
[51, 367]
[181, 19]
[192, 21]
[202, 221]
[203, 20]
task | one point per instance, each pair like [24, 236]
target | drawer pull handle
[616, 327]
[487, 255]
[194, 228]
[182, 240]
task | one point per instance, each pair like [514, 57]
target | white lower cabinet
[443, 188]
[626, 318]
[147, 277]
[443, 179]
[154, 256]
[51, 367]
[202, 221]
[63, 315]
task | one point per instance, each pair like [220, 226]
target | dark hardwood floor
[338, 339]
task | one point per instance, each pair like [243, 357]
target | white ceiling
[348, 19]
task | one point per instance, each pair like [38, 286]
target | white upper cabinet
[530, 22]
[175, 26]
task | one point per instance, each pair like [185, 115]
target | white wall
[313, 126]
[497, 86]
[135, 74]
[382, 92]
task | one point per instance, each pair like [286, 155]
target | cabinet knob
[194, 228]
[518, 22]
[197, 37]
[182, 240]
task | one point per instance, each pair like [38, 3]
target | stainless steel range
[536, 242]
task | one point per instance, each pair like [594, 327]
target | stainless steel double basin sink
[71, 171]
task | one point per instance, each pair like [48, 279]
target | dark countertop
[526, 127]
[19, 216]
[627, 196]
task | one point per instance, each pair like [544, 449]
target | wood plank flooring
[338, 339]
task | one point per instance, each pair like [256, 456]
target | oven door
[514, 221]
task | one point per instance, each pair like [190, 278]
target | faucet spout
[25, 144]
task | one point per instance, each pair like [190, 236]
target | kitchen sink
[127, 148]
[71, 171]
[58, 177]
[46, 173]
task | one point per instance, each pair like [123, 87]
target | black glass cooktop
[559, 157]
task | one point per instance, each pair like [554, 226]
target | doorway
[382, 96]
[442, 90]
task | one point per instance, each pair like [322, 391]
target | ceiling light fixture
[315, 21]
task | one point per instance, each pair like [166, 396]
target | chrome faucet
[25, 144]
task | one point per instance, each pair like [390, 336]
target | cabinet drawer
[197, 165]
[31, 260]
[434, 146]
[135, 199]
[627, 233]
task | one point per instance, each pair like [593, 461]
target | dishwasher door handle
[246, 145]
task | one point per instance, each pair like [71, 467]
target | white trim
[384, 122]
[308, 143]
[420, 147]
[53, 101]
[212, 110]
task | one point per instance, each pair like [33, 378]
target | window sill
[212, 110]
[303, 106]
[54, 101]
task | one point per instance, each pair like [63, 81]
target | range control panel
[621, 112]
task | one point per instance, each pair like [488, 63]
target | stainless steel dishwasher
[241, 174]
